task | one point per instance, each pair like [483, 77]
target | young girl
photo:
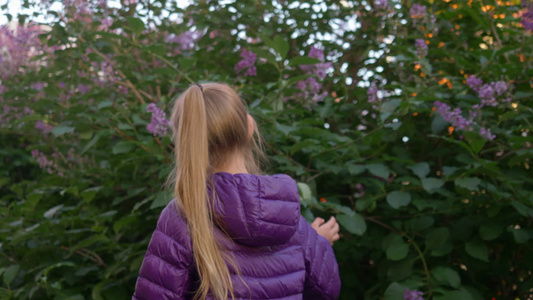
[231, 233]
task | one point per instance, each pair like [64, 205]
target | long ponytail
[190, 191]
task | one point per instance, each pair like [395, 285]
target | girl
[231, 233]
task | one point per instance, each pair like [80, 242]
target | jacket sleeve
[322, 279]
[165, 270]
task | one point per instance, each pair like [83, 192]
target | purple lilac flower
[486, 133]
[413, 295]
[372, 93]
[418, 11]
[186, 39]
[486, 93]
[44, 163]
[381, 4]
[83, 89]
[453, 117]
[247, 64]
[318, 69]
[159, 124]
[45, 128]
[500, 87]
[474, 83]
[310, 90]
[19, 46]
[38, 86]
[421, 47]
[527, 15]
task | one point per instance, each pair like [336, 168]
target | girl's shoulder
[172, 224]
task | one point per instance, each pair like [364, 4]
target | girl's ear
[251, 126]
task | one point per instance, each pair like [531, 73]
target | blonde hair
[209, 123]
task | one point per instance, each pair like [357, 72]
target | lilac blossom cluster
[186, 40]
[454, 116]
[44, 163]
[421, 48]
[413, 295]
[418, 11]
[9, 113]
[457, 120]
[159, 124]
[247, 64]
[311, 87]
[18, 47]
[44, 127]
[489, 92]
[527, 15]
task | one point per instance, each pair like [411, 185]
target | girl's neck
[234, 164]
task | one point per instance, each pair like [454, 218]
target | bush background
[423, 203]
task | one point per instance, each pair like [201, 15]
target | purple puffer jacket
[279, 254]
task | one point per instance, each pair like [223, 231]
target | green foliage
[422, 205]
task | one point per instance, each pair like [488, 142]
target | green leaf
[104, 104]
[522, 95]
[10, 273]
[285, 129]
[161, 199]
[388, 107]
[186, 63]
[431, 184]
[157, 49]
[354, 224]
[379, 170]
[477, 250]
[521, 236]
[398, 199]
[354, 169]
[92, 142]
[281, 46]
[62, 129]
[522, 209]
[449, 170]
[397, 249]
[122, 147]
[475, 141]
[395, 291]
[305, 193]
[51, 212]
[136, 24]
[420, 169]
[123, 222]
[490, 231]
[303, 60]
[437, 237]
[461, 294]
[89, 194]
[422, 223]
[470, 183]
[447, 276]
[438, 124]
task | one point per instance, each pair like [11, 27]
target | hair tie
[200, 86]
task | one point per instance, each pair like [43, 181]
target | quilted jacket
[280, 256]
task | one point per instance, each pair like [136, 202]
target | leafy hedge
[408, 120]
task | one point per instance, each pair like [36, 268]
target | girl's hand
[329, 230]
